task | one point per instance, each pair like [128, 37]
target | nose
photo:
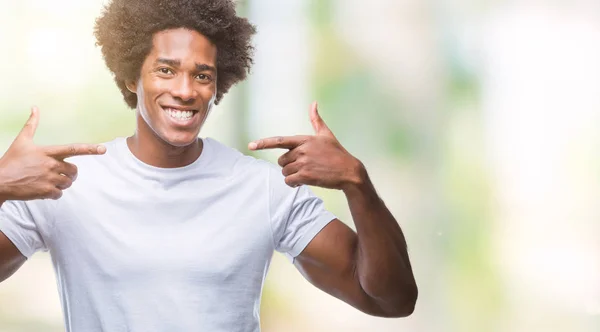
[184, 89]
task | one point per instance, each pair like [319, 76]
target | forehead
[184, 45]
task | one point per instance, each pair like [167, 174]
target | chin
[180, 140]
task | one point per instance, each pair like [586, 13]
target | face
[177, 86]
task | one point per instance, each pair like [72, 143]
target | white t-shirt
[140, 248]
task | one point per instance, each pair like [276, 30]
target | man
[165, 231]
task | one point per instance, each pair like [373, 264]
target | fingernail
[252, 145]
[101, 149]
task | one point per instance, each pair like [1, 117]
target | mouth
[179, 114]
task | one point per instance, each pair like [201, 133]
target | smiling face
[177, 86]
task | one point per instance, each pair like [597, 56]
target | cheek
[148, 92]
[144, 104]
[153, 88]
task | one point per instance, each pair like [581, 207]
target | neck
[154, 151]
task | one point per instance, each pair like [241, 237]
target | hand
[318, 160]
[31, 172]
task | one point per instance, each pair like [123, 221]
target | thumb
[317, 122]
[30, 127]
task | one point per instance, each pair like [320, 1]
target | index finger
[278, 142]
[71, 150]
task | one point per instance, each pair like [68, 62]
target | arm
[11, 258]
[370, 269]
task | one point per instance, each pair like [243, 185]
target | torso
[132, 244]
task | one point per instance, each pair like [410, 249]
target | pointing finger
[279, 142]
[71, 150]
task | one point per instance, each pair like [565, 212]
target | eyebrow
[205, 67]
[177, 63]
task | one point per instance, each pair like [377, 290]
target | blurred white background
[478, 121]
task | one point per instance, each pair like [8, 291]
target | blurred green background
[478, 121]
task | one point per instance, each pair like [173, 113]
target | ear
[131, 86]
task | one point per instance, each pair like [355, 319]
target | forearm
[382, 263]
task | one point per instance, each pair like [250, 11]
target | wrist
[358, 179]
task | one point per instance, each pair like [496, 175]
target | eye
[203, 77]
[166, 71]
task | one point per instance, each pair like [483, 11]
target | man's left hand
[316, 160]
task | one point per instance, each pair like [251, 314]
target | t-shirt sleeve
[19, 222]
[297, 215]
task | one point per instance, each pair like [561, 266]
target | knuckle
[51, 164]
[302, 173]
[279, 139]
[47, 190]
[302, 162]
[72, 149]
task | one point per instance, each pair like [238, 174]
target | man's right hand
[30, 172]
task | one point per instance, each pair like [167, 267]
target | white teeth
[180, 115]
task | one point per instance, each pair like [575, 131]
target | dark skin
[179, 73]
[369, 270]
[29, 171]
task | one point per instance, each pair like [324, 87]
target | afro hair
[125, 30]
